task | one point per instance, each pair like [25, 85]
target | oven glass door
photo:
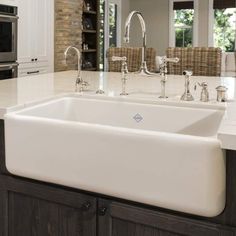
[8, 38]
[5, 36]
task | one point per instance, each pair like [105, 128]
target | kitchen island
[32, 207]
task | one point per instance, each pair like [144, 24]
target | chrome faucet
[143, 68]
[163, 72]
[204, 93]
[80, 84]
[187, 96]
[124, 72]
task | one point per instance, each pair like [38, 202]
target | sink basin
[158, 154]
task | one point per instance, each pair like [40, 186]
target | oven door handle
[9, 16]
[8, 66]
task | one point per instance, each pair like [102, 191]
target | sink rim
[142, 101]
[18, 114]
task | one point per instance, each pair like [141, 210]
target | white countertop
[22, 92]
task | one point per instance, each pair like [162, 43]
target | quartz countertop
[25, 91]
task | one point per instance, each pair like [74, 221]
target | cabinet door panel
[25, 33]
[42, 30]
[39, 210]
[31, 216]
[125, 220]
[36, 31]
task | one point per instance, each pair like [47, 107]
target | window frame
[171, 22]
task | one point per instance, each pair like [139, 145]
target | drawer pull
[33, 72]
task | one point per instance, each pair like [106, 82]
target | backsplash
[68, 31]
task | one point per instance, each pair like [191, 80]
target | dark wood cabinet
[90, 35]
[117, 219]
[30, 209]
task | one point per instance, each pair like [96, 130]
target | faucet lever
[116, 58]
[163, 61]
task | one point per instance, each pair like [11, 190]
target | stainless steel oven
[8, 70]
[8, 33]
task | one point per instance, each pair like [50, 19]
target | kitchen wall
[68, 31]
[156, 14]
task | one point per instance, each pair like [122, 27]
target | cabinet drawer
[32, 71]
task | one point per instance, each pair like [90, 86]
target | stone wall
[68, 31]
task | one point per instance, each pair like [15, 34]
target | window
[222, 24]
[110, 18]
[183, 23]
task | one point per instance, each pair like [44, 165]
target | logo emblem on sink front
[138, 118]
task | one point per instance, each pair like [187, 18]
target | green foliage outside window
[224, 29]
[184, 27]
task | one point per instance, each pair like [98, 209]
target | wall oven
[8, 70]
[8, 33]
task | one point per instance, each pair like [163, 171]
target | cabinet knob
[32, 59]
[36, 59]
[102, 211]
[86, 206]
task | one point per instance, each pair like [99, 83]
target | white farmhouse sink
[161, 155]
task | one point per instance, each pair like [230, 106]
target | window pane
[225, 29]
[184, 27]
[112, 25]
[184, 37]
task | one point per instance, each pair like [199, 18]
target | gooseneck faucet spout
[143, 69]
[79, 81]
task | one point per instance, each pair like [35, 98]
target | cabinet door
[28, 209]
[36, 31]
[116, 219]
[25, 33]
[43, 29]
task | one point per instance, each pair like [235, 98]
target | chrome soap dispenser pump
[204, 93]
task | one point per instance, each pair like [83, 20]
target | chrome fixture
[143, 68]
[187, 96]
[100, 91]
[221, 93]
[101, 86]
[204, 93]
[163, 72]
[80, 84]
[124, 72]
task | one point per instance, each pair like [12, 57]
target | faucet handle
[172, 60]
[203, 85]
[204, 93]
[124, 68]
[116, 58]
